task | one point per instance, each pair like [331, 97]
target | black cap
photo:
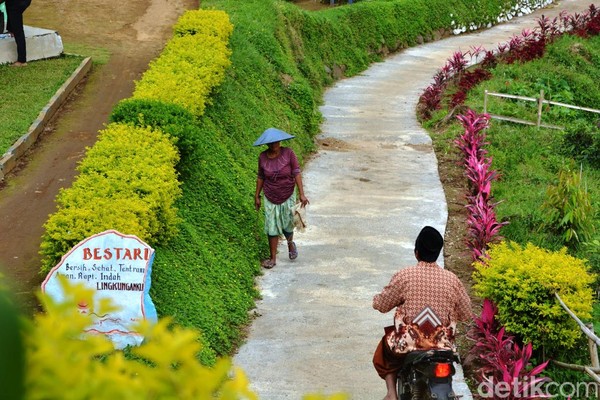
[429, 243]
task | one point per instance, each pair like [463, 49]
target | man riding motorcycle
[429, 300]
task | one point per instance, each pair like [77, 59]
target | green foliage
[12, 359]
[126, 182]
[522, 282]
[166, 366]
[582, 142]
[569, 207]
[170, 118]
[527, 158]
[26, 91]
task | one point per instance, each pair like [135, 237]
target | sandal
[268, 263]
[294, 252]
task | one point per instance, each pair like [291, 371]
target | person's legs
[273, 242]
[292, 250]
[15, 17]
[390, 384]
[387, 366]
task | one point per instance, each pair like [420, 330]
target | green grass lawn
[26, 91]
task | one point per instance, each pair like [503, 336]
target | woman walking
[278, 176]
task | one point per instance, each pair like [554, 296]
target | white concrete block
[41, 43]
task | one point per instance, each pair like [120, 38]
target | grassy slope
[528, 158]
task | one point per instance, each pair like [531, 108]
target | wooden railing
[540, 102]
[593, 343]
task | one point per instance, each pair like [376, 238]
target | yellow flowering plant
[521, 281]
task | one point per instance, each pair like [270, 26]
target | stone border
[9, 159]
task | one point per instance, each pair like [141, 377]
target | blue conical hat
[272, 135]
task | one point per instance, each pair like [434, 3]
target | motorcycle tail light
[442, 370]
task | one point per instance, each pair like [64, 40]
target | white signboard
[118, 267]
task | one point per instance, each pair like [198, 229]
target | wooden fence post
[540, 103]
[593, 349]
[485, 101]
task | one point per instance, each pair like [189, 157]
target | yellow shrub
[61, 365]
[186, 72]
[127, 182]
[204, 22]
[522, 282]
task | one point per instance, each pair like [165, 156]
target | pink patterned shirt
[429, 300]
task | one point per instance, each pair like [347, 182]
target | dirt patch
[333, 144]
[312, 5]
[133, 33]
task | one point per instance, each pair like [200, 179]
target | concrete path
[316, 330]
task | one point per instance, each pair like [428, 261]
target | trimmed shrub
[521, 281]
[127, 182]
[204, 22]
[170, 118]
[186, 72]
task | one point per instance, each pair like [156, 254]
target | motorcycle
[427, 375]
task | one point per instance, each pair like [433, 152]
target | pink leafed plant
[480, 175]
[501, 361]
[458, 62]
[482, 226]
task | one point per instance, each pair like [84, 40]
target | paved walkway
[317, 331]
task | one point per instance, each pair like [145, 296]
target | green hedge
[127, 182]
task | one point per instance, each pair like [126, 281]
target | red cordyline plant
[531, 44]
[502, 365]
[585, 24]
[482, 226]
[480, 175]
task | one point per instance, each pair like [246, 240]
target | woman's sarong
[279, 218]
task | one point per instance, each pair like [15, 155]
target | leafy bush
[189, 68]
[500, 360]
[127, 182]
[166, 365]
[581, 141]
[204, 22]
[570, 211]
[521, 282]
[170, 118]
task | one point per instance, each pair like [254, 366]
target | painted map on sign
[117, 267]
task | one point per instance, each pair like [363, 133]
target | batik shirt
[429, 300]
